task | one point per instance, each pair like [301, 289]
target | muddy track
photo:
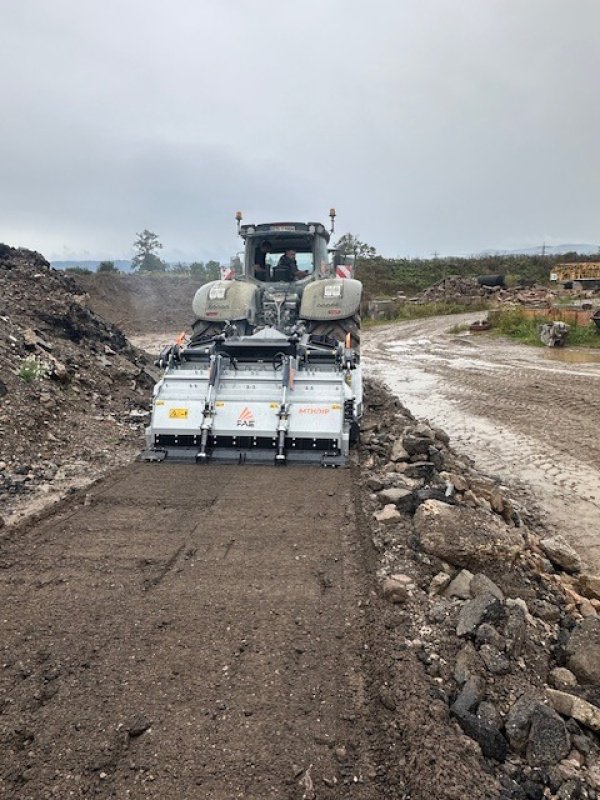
[528, 414]
[174, 638]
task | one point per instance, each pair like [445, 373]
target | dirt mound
[71, 386]
[484, 617]
[142, 303]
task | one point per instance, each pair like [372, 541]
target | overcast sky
[432, 125]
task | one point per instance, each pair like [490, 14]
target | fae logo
[245, 419]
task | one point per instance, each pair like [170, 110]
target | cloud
[431, 125]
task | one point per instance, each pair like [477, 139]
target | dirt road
[526, 414]
[231, 629]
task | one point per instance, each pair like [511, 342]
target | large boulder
[466, 537]
[583, 651]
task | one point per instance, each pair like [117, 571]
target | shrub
[32, 368]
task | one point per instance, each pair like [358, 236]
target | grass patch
[462, 327]
[32, 369]
[514, 323]
[408, 311]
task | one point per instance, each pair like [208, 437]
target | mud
[526, 415]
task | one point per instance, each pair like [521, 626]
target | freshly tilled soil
[183, 632]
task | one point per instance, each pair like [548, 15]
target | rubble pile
[453, 289]
[71, 386]
[500, 619]
[456, 289]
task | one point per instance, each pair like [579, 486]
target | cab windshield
[303, 260]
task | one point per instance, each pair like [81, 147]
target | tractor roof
[275, 229]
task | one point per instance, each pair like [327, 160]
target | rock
[437, 612]
[593, 777]
[395, 591]
[481, 584]
[582, 743]
[441, 436]
[583, 651]
[425, 431]
[495, 661]
[396, 496]
[398, 452]
[515, 629]
[437, 458]
[487, 634]
[569, 705]
[489, 713]
[518, 721]
[588, 585]
[138, 726]
[465, 537]
[420, 469]
[459, 483]
[460, 585]
[30, 338]
[492, 743]
[533, 791]
[561, 553]
[561, 678]
[485, 608]
[570, 790]
[549, 740]
[586, 609]
[416, 445]
[439, 583]
[496, 501]
[386, 698]
[471, 694]
[61, 374]
[468, 663]
[542, 609]
[3, 389]
[388, 515]
[375, 484]
[432, 493]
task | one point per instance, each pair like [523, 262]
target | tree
[351, 245]
[198, 270]
[146, 260]
[213, 270]
[180, 268]
[107, 266]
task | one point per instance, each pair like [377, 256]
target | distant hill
[124, 266]
[549, 250]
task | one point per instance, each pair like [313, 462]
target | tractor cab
[270, 249]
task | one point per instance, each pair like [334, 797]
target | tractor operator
[288, 262]
[261, 268]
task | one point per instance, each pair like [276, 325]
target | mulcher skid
[268, 397]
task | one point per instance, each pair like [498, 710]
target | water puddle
[570, 356]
